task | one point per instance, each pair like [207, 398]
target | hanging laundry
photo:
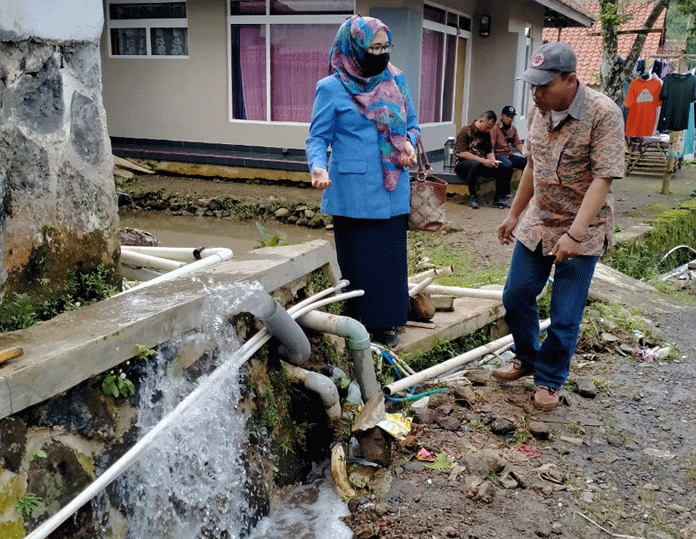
[678, 92]
[642, 102]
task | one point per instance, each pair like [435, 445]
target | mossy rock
[13, 529]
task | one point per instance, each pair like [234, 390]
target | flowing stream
[189, 483]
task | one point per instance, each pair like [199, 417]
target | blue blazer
[355, 168]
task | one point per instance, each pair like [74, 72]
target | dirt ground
[616, 459]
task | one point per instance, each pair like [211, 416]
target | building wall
[187, 99]
[499, 58]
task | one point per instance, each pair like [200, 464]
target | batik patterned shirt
[587, 144]
[473, 140]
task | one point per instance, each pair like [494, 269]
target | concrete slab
[469, 315]
[70, 348]
[611, 286]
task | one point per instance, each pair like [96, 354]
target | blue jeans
[529, 271]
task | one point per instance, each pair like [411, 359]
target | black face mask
[374, 64]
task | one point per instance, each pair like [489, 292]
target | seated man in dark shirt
[504, 138]
[474, 158]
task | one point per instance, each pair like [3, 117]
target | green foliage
[22, 311]
[275, 241]
[116, 382]
[610, 16]
[27, 503]
[117, 385]
[38, 454]
[522, 436]
[18, 313]
[93, 285]
[144, 353]
[442, 462]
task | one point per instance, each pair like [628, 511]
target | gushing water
[191, 482]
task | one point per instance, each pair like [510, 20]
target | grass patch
[427, 250]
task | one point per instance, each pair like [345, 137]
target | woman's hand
[320, 178]
[408, 156]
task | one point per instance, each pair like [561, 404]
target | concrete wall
[58, 195]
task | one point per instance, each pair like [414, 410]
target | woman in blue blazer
[363, 111]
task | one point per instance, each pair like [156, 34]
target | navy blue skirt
[372, 256]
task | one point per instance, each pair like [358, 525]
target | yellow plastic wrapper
[397, 425]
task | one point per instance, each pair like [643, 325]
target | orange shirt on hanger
[642, 102]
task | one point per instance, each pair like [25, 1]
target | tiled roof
[588, 47]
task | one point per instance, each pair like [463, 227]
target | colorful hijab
[383, 98]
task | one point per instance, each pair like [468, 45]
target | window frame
[267, 21]
[148, 25]
[445, 29]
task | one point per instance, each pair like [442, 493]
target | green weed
[27, 503]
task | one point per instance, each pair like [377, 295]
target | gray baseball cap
[550, 60]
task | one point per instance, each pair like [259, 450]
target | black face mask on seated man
[374, 64]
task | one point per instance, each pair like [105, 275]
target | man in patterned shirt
[574, 149]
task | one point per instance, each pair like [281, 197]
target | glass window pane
[128, 41]
[452, 19]
[465, 23]
[434, 14]
[248, 72]
[450, 68]
[169, 42]
[431, 77]
[299, 58]
[299, 7]
[247, 7]
[168, 10]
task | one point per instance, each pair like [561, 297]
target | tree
[614, 73]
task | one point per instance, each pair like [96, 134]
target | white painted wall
[59, 20]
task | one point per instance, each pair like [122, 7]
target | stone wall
[59, 208]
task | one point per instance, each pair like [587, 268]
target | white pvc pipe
[138, 259]
[223, 255]
[413, 290]
[434, 273]
[184, 254]
[464, 292]
[453, 363]
[246, 351]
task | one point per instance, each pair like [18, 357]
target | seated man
[504, 138]
[474, 158]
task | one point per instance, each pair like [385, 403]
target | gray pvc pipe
[320, 384]
[295, 346]
[358, 341]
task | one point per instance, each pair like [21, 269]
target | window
[278, 50]
[147, 28]
[441, 29]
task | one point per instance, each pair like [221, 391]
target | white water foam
[189, 484]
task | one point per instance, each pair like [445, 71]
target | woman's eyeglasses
[381, 49]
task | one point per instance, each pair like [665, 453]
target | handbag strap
[424, 168]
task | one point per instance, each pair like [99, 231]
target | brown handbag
[428, 196]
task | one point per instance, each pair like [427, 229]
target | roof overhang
[565, 13]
